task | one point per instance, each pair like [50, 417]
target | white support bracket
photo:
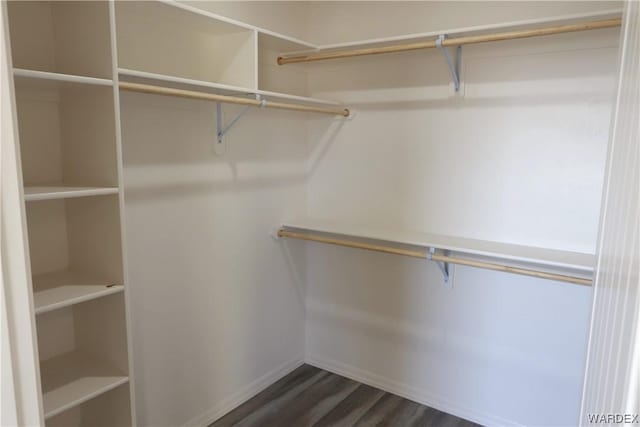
[454, 69]
[443, 266]
[223, 130]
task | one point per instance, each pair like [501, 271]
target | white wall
[217, 311]
[518, 157]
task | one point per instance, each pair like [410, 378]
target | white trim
[123, 234]
[236, 399]
[16, 264]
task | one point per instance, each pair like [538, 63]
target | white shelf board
[66, 295]
[78, 392]
[71, 379]
[550, 258]
[466, 31]
[58, 77]
[61, 192]
[137, 76]
[235, 22]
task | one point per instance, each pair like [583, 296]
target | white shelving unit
[73, 378]
[581, 264]
[66, 107]
[204, 51]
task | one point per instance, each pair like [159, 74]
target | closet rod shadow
[434, 257]
[456, 41]
[160, 90]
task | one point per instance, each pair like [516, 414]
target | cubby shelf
[191, 84]
[78, 392]
[73, 378]
[71, 78]
[566, 261]
[64, 288]
[51, 192]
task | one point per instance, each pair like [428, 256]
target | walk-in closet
[317, 213]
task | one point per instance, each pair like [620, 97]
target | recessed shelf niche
[68, 37]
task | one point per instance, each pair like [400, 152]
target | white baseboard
[236, 399]
[406, 391]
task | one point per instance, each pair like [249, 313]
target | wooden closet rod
[457, 41]
[160, 90]
[434, 257]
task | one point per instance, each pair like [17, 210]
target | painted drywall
[518, 156]
[217, 305]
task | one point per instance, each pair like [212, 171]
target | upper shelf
[59, 77]
[218, 88]
[214, 16]
[50, 192]
[556, 259]
[458, 36]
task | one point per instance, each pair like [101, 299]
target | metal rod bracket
[223, 130]
[443, 266]
[454, 69]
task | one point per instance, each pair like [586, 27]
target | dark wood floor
[312, 397]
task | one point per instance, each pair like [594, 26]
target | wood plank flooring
[313, 397]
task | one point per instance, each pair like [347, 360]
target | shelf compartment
[52, 193]
[574, 264]
[61, 289]
[65, 37]
[135, 76]
[73, 378]
[74, 141]
[80, 235]
[274, 78]
[83, 352]
[108, 409]
[159, 38]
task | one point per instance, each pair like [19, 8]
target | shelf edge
[60, 77]
[70, 194]
[85, 398]
[220, 86]
[77, 300]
